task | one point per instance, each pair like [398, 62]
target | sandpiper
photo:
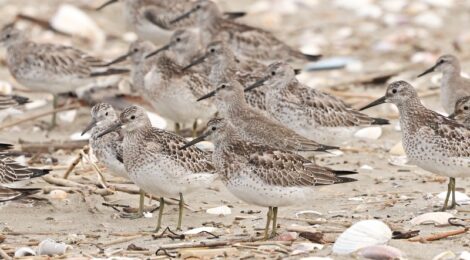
[150, 19]
[7, 101]
[311, 113]
[253, 126]
[108, 149]
[453, 85]
[462, 111]
[155, 163]
[224, 66]
[246, 41]
[50, 68]
[431, 140]
[262, 175]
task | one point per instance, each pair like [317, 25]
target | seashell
[222, 210]
[372, 133]
[330, 63]
[366, 167]
[5, 88]
[398, 149]
[157, 121]
[307, 214]
[401, 161]
[380, 252]
[67, 116]
[35, 104]
[436, 218]
[77, 136]
[58, 194]
[465, 255]
[148, 214]
[362, 234]
[446, 255]
[198, 230]
[429, 19]
[50, 247]
[305, 248]
[460, 197]
[24, 251]
[70, 19]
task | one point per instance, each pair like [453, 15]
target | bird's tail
[39, 172]
[380, 121]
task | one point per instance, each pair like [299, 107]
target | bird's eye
[198, 6]
[223, 86]
[178, 39]
[273, 73]
[465, 108]
[136, 50]
[212, 50]
[440, 62]
[106, 114]
[132, 117]
[214, 128]
[394, 91]
[7, 36]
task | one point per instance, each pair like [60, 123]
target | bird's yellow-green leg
[194, 132]
[160, 214]
[180, 215]
[55, 101]
[454, 202]
[141, 202]
[273, 234]
[177, 128]
[449, 190]
[268, 221]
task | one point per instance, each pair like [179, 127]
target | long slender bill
[164, 48]
[112, 128]
[375, 103]
[118, 59]
[90, 126]
[258, 83]
[106, 4]
[185, 15]
[428, 71]
[197, 61]
[208, 95]
[196, 140]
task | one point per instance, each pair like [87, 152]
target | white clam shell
[362, 234]
[222, 210]
[24, 251]
[460, 197]
[372, 133]
[51, 247]
[380, 252]
[437, 218]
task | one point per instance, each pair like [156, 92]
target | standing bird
[253, 126]
[261, 175]
[108, 148]
[453, 85]
[7, 101]
[311, 113]
[431, 141]
[151, 19]
[50, 68]
[154, 162]
[246, 41]
[462, 111]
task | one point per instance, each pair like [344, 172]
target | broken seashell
[445, 255]
[24, 251]
[58, 195]
[436, 218]
[380, 252]
[198, 230]
[50, 247]
[362, 234]
[372, 133]
[222, 210]
[305, 248]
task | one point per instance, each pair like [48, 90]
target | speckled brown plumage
[462, 111]
[11, 171]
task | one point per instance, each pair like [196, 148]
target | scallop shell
[437, 218]
[362, 234]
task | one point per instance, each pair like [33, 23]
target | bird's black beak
[118, 59]
[297, 71]
[208, 95]
[185, 15]
[164, 48]
[428, 70]
[110, 2]
[89, 126]
[375, 103]
[111, 128]
[196, 140]
[234, 15]
[258, 83]
[197, 61]
[452, 116]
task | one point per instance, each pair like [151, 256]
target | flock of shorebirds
[241, 81]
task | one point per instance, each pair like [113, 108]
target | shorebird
[253, 126]
[50, 68]
[311, 113]
[9, 194]
[246, 41]
[431, 141]
[150, 19]
[108, 148]
[224, 66]
[453, 85]
[262, 175]
[462, 111]
[7, 101]
[155, 163]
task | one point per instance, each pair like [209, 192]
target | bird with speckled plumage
[431, 141]
[462, 111]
